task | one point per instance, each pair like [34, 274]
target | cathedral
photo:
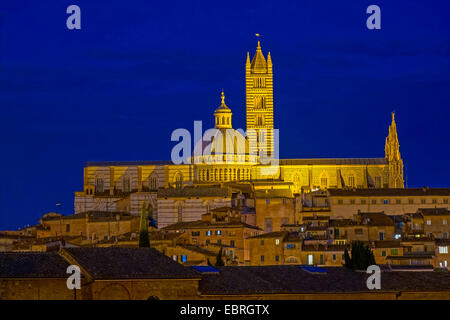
[180, 190]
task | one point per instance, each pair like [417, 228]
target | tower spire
[393, 157]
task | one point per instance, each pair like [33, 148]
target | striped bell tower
[259, 102]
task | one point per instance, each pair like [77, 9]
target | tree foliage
[219, 260]
[144, 238]
[362, 256]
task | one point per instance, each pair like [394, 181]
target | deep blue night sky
[137, 70]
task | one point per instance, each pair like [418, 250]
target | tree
[362, 257]
[219, 260]
[348, 261]
[144, 238]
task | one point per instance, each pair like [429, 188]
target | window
[284, 200]
[434, 201]
[174, 258]
[259, 121]
[351, 181]
[398, 201]
[183, 258]
[340, 201]
[207, 241]
[268, 225]
[310, 259]
[290, 246]
[262, 258]
[381, 236]
[394, 252]
[208, 233]
[284, 221]
[67, 227]
[446, 201]
[262, 242]
[277, 242]
[411, 201]
[218, 232]
[323, 182]
[377, 182]
[231, 243]
[267, 201]
[363, 201]
[383, 253]
[152, 183]
[385, 201]
[374, 201]
[423, 201]
[126, 184]
[180, 213]
[195, 233]
[428, 222]
[352, 201]
[334, 257]
[277, 258]
[231, 254]
[99, 185]
[444, 221]
[359, 231]
[219, 241]
[443, 249]
[179, 180]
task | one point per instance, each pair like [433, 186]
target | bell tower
[259, 102]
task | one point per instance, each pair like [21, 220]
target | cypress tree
[219, 261]
[144, 238]
[348, 261]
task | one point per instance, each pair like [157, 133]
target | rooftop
[333, 161]
[208, 224]
[386, 192]
[129, 263]
[32, 265]
[294, 279]
[197, 191]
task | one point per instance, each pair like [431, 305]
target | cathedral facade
[124, 185]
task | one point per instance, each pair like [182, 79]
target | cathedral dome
[223, 142]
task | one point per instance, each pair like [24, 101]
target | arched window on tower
[259, 102]
[259, 121]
